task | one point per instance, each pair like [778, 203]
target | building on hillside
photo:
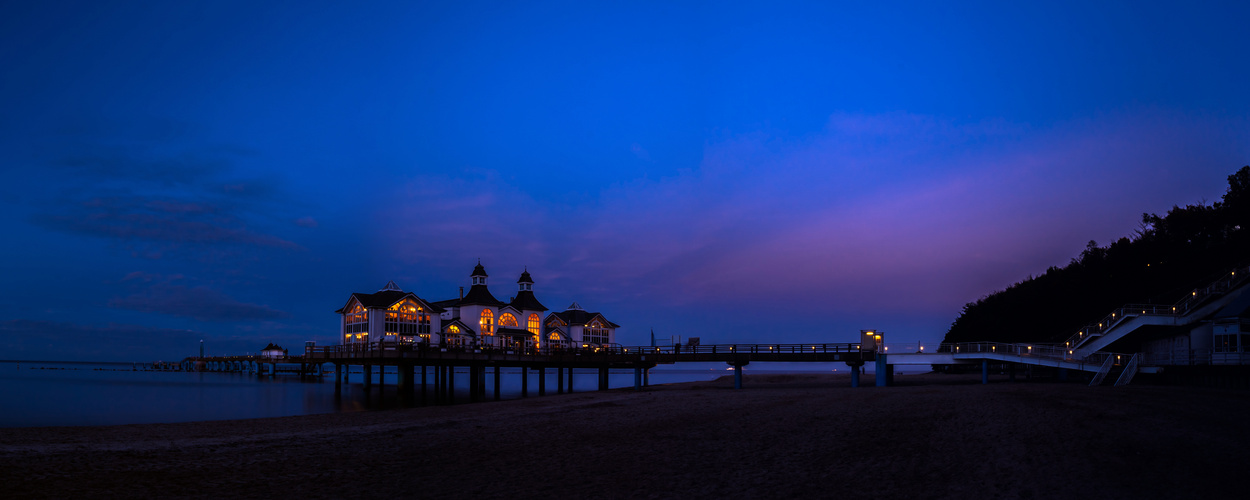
[474, 319]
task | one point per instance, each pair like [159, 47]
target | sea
[52, 393]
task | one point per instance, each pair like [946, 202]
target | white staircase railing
[1129, 371]
[1102, 372]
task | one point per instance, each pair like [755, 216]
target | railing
[1115, 318]
[1195, 357]
[1102, 372]
[1035, 351]
[381, 349]
[1182, 307]
[1129, 371]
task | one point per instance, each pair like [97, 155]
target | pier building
[473, 319]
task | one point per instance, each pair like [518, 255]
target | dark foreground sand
[807, 436]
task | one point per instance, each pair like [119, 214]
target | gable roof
[578, 317]
[385, 299]
[464, 329]
[272, 347]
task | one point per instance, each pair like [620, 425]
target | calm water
[59, 394]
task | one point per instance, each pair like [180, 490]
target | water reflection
[38, 394]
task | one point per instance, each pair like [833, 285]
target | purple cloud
[878, 212]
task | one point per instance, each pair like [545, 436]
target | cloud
[878, 212]
[165, 296]
[306, 222]
[158, 200]
[158, 220]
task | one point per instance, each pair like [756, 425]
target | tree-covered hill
[1167, 257]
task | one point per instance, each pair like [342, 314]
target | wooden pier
[431, 370]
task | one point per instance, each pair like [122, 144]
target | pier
[429, 372]
[432, 370]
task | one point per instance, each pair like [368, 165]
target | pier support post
[738, 364]
[646, 377]
[481, 383]
[637, 378]
[525, 381]
[451, 384]
[338, 382]
[439, 377]
[423, 385]
[985, 371]
[881, 371]
[368, 370]
[560, 380]
[542, 380]
[854, 375]
[570, 380]
[381, 377]
[405, 379]
[496, 382]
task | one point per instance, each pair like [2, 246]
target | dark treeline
[1167, 257]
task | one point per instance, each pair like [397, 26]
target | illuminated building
[475, 319]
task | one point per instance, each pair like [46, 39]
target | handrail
[1102, 372]
[1129, 371]
[1182, 307]
[381, 348]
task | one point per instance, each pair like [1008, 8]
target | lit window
[453, 329]
[405, 318]
[507, 319]
[533, 324]
[487, 322]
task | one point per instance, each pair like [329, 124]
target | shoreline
[782, 435]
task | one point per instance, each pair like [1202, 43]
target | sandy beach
[810, 436]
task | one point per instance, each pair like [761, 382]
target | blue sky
[742, 172]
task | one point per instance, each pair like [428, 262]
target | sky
[771, 172]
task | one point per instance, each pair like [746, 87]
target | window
[507, 319]
[487, 322]
[356, 320]
[453, 329]
[404, 318]
[533, 323]
[595, 335]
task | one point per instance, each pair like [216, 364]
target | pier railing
[1035, 351]
[381, 349]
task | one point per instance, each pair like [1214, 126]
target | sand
[808, 436]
